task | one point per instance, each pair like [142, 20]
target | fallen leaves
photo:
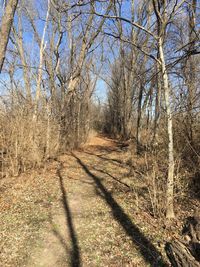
[28, 201]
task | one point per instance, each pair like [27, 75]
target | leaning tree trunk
[180, 256]
[186, 254]
[6, 25]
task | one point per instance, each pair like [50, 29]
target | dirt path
[90, 220]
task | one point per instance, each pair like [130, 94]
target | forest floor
[81, 210]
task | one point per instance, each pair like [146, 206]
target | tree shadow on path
[75, 258]
[102, 157]
[149, 252]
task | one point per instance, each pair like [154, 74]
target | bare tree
[5, 28]
[163, 13]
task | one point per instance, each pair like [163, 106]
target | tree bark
[170, 178]
[157, 105]
[40, 71]
[18, 34]
[191, 73]
[186, 254]
[6, 25]
[179, 255]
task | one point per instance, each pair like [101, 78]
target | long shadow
[114, 161]
[114, 178]
[75, 251]
[149, 252]
[79, 180]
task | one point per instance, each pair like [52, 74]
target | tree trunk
[139, 114]
[18, 34]
[40, 71]
[179, 255]
[170, 178]
[190, 74]
[6, 25]
[157, 107]
[186, 254]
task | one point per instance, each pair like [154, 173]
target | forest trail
[75, 223]
[130, 69]
[90, 214]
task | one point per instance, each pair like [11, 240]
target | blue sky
[101, 90]
[32, 47]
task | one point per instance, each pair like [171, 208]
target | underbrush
[150, 167]
[25, 143]
[29, 138]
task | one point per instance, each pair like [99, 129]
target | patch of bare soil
[81, 210]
